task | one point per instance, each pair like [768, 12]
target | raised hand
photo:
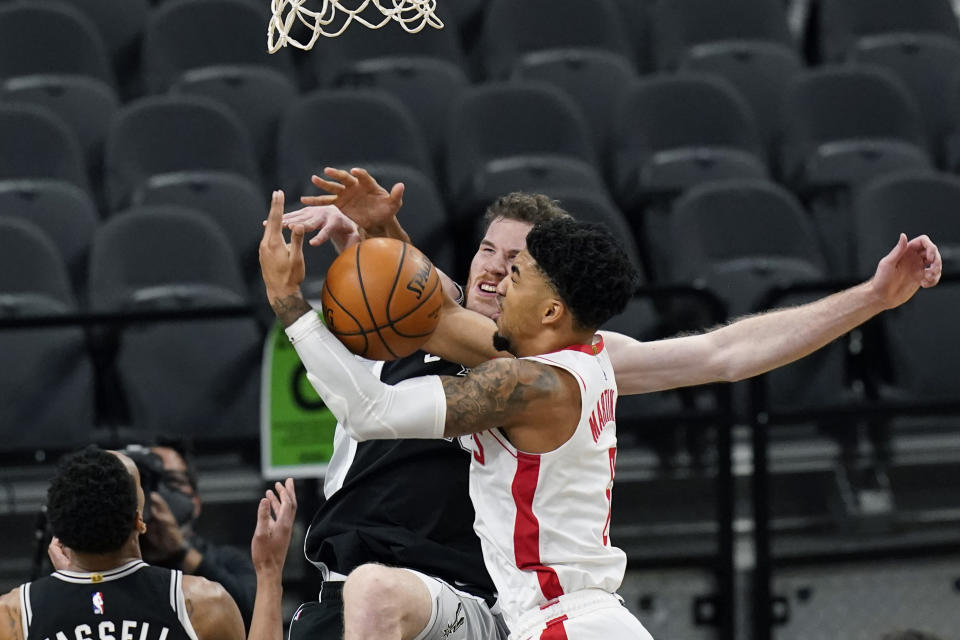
[909, 266]
[359, 197]
[330, 224]
[271, 538]
[281, 264]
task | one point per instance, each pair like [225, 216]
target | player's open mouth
[487, 288]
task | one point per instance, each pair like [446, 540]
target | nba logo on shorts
[98, 603]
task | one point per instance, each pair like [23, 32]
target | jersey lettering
[603, 414]
[106, 629]
[83, 632]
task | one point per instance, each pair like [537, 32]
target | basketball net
[413, 15]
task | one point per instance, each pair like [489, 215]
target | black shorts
[321, 620]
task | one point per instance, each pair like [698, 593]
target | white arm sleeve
[367, 408]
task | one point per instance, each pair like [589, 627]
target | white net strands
[333, 17]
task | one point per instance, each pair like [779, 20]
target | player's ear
[553, 311]
[140, 525]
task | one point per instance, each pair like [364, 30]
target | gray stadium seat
[427, 87]
[86, 105]
[258, 96]
[911, 202]
[63, 211]
[591, 206]
[663, 144]
[774, 245]
[120, 23]
[47, 387]
[190, 34]
[506, 137]
[760, 71]
[843, 127]
[595, 80]
[843, 22]
[372, 128]
[162, 135]
[513, 29]
[341, 56]
[928, 66]
[48, 37]
[236, 204]
[680, 25]
[195, 378]
[36, 145]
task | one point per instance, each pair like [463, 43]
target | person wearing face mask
[171, 540]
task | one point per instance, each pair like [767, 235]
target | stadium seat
[506, 137]
[591, 206]
[120, 24]
[927, 65]
[843, 127]
[233, 202]
[64, 212]
[760, 71]
[372, 128]
[196, 378]
[594, 79]
[774, 241]
[47, 387]
[911, 202]
[843, 22]
[190, 34]
[86, 105]
[186, 135]
[47, 38]
[258, 96]
[663, 144]
[426, 87]
[683, 25]
[341, 56]
[774, 245]
[513, 29]
[36, 145]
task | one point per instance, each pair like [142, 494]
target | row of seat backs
[178, 34]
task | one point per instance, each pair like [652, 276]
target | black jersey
[402, 503]
[132, 602]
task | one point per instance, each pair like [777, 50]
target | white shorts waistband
[569, 605]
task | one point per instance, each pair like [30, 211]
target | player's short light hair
[524, 207]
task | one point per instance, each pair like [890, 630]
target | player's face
[491, 264]
[523, 296]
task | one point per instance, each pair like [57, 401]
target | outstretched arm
[10, 628]
[757, 344]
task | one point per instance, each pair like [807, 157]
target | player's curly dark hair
[523, 207]
[92, 501]
[588, 268]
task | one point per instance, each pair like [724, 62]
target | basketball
[382, 299]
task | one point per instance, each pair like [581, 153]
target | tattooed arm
[10, 616]
[537, 405]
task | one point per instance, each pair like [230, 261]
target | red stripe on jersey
[526, 527]
[555, 630]
[589, 349]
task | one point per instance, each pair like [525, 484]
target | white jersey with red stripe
[543, 519]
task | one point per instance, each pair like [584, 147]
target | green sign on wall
[296, 428]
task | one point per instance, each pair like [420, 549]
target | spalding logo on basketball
[382, 299]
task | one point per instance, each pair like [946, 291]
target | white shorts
[457, 615]
[590, 614]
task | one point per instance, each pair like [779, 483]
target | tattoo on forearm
[494, 390]
[289, 308]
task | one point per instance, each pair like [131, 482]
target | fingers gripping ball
[382, 299]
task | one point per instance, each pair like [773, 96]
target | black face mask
[181, 504]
